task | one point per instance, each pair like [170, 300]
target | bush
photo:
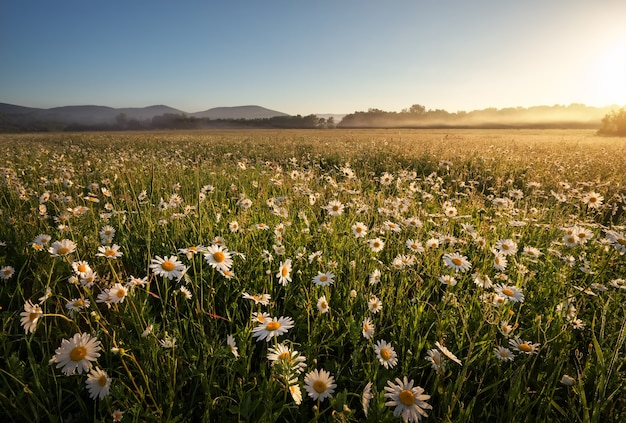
[614, 123]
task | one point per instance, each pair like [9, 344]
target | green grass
[165, 191]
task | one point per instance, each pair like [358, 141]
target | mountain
[99, 115]
[238, 112]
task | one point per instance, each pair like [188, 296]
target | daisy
[76, 354]
[409, 402]
[62, 248]
[386, 354]
[525, 347]
[263, 299]
[77, 304]
[233, 226]
[481, 280]
[189, 252]
[374, 304]
[414, 246]
[110, 252]
[107, 232]
[98, 383]
[359, 230]
[435, 358]
[376, 244]
[88, 278]
[324, 279]
[448, 280]
[432, 243]
[168, 267]
[232, 345]
[284, 272]
[272, 327]
[617, 240]
[503, 353]
[457, 262]
[319, 384]
[80, 267]
[368, 328]
[334, 208]
[500, 262]
[510, 292]
[186, 292]
[448, 353]
[322, 305]
[507, 247]
[386, 178]
[593, 200]
[30, 316]
[218, 257]
[259, 317]
[366, 397]
[532, 252]
[134, 281]
[117, 415]
[374, 277]
[167, 342]
[291, 358]
[6, 272]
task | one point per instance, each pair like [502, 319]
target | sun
[606, 84]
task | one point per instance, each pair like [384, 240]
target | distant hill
[102, 115]
[238, 112]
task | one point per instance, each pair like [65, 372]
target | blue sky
[309, 57]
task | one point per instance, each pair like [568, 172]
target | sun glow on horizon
[606, 84]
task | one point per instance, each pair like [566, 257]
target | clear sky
[323, 56]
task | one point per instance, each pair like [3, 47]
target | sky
[313, 57]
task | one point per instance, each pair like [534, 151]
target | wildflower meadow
[323, 275]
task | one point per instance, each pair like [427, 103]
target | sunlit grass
[499, 288]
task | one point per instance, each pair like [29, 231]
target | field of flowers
[313, 276]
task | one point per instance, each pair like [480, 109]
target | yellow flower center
[168, 266]
[457, 261]
[63, 250]
[109, 253]
[33, 316]
[272, 326]
[406, 397]
[323, 278]
[592, 199]
[193, 249]
[385, 354]
[284, 272]
[218, 256]
[503, 354]
[102, 380]
[82, 268]
[508, 292]
[120, 293]
[319, 386]
[78, 353]
[525, 347]
[79, 303]
[284, 356]
[505, 247]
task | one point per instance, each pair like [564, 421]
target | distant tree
[121, 120]
[417, 109]
[614, 123]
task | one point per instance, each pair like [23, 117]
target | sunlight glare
[608, 76]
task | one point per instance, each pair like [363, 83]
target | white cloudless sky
[313, 57]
